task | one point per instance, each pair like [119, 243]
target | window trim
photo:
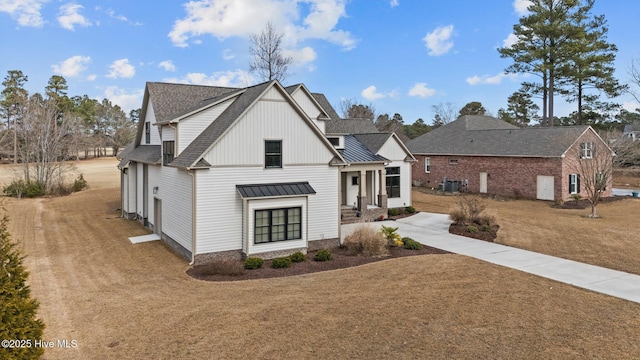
[574, 184]
[427, 165]
[397, 178]
[272, 154]
[335, 141]
[168, 156]
[453, 161]
[355, 180]
[287, 224]
[586, 150]
[147, 132]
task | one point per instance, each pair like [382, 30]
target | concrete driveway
[433, 230]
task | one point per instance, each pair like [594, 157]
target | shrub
[366, 241]
[298, 257]
[279, 263]
[393, 212]
[576, 197]
[410, 209]
[472, 229]
[79, 184]
[485, 227]
[322, 255]
[469, 210]
[253, 263]
[411, 244]
[20, 188]
[227, 267]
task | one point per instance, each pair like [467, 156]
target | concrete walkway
[433, 230]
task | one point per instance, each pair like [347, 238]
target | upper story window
[586, 150]
[273, 154]
[334, 141]
[168, 152]
[147, 132]
[427, 165]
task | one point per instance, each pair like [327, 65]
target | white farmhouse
[226, 172]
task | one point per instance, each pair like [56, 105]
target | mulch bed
[584, 203]
[463, 230]
[340, 259]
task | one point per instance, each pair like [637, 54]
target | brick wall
[506, 176]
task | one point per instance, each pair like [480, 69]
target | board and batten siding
[218, 202]
[269, 120]
[131, 196]
[189, 128]
[155, 132]
[139, 186]
[405, 185]
[309, 107]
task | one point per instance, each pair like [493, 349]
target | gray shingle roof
[146, 154]
[199, 146]
[123, 156]
[172, 99]
[373, 141]
[634, 126]
[350, 126]
[356, 152]
[278, 189]
[489, 137]
[326, 105]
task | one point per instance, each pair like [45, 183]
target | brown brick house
[486, 155]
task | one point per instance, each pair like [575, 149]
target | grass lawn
[612, 241]
[124, 301]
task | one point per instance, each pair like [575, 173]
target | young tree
[543, 45]
[520, 109]
[17, 307]
[268, 60]
[14, 96]
[473, 108]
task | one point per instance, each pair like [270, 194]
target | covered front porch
[363, 193]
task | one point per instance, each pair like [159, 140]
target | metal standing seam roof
[275, 190]
[356, 152]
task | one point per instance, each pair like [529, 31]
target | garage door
[545, 187]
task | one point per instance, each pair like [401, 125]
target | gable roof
[326, 106]
[314, 99]
[351, 126]
[373, 141]
[146, 154]
[482, 136]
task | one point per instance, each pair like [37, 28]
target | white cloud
[490, 80]
[631, 105]
[520, 6]
[167, 65]
[302, 56]
[227, 18]
[238, 78]
[439, 40]
[72, 66]
[26, 12]
[69, 17]
[394, 3]
[113, 15]
[121, 69]
[126, 100]
[371, 94]
[227, 54]
[92, 77]
[510, 40]
[421, 90]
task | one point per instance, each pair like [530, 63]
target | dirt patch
[585, 203]
[478, 233]
[340, 260]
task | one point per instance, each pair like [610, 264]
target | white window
[586, 150]
[427, 165]
[574, 184]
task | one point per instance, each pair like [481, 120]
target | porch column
[382, 194]
[362, 192]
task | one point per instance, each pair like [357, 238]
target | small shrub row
[280, 263]
[253, 263]
[298, 257]
[399, 211]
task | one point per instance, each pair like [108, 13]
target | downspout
[193, 216]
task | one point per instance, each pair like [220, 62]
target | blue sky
[400, 56]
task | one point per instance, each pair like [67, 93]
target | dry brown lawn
[612, 241]
[124, 301]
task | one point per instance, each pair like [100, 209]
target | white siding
[124, 191]
[269, 120]
[218, 203]
[154, 179]
[191, 127]
[168, 133]
[405, 186]
[309, 107]
[155, 132]
[139, 186]
[352, 190]
[131, 198]
[392, 150]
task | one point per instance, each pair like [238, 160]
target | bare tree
[593, 167]
[634, 72]
[444, 113]
[351, 109]
[268, 61]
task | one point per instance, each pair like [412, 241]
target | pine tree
[17, 308]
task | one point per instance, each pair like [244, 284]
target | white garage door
[545, 187]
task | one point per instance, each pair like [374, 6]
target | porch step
[349, 216]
